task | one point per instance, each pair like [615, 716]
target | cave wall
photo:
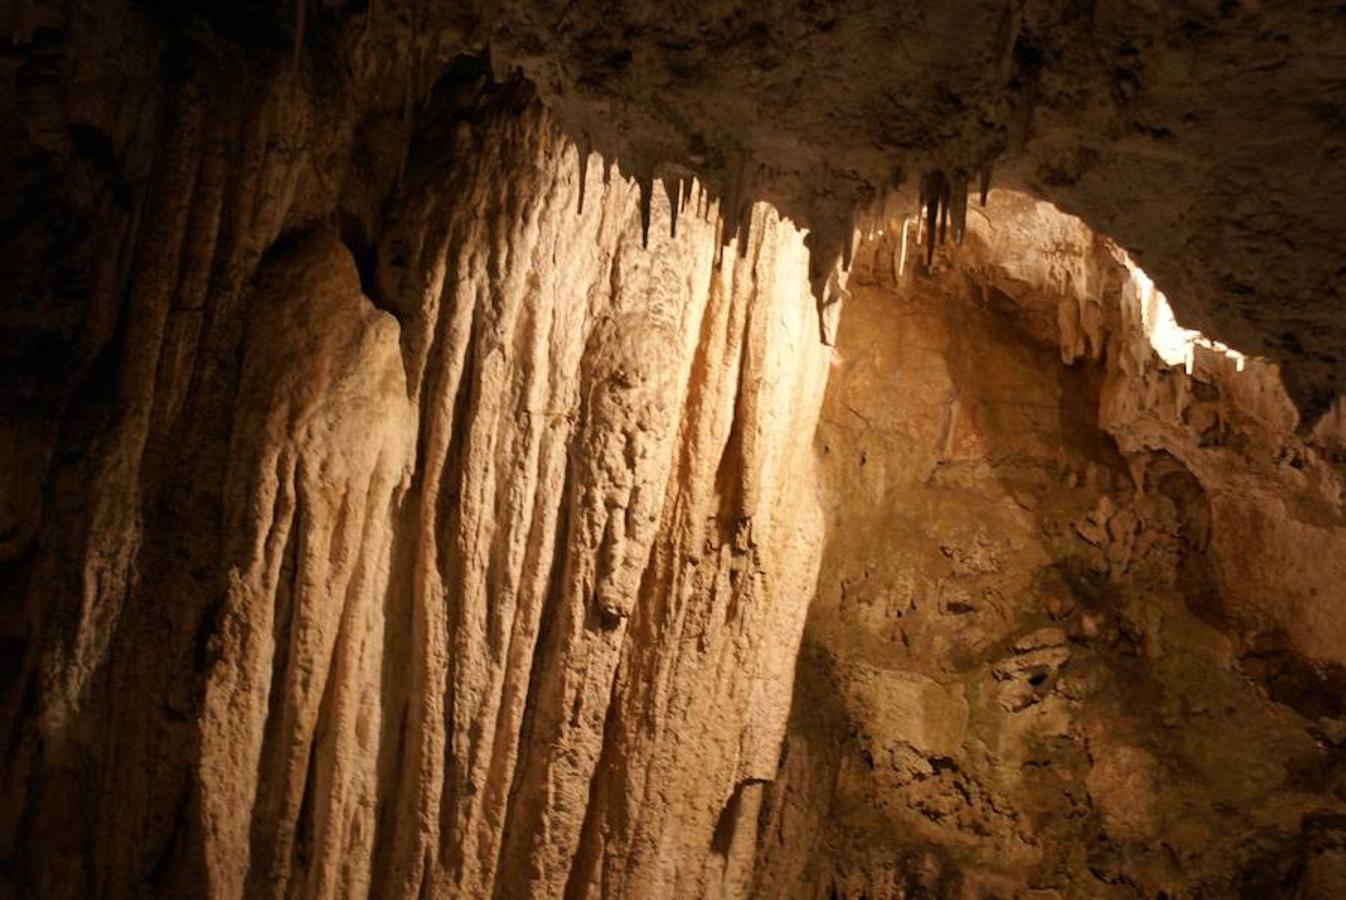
[1205, 136]
[393, 525]
[1077, 628]
[379, 517]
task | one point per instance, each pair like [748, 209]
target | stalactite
[729, 200]
[902, 249]
[718, 232]
[943, 208]
[735, 203]
[500, 69]
[300, 16]
[646, 195]
[583, 149]
[673, 188]
[744, 228]
[958, 206]
[931, 190]
[878, 214]
[985, 184]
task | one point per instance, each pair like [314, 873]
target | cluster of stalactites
[831, 241]
[944, 204]
[733, 212]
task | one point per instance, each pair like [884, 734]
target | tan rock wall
[1077, 629]
[460, 549]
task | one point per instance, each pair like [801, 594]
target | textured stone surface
[1076, 631]
[375, 520]
[1204, 136]
[460, 551]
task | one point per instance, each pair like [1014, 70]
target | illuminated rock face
[1078, 622]
[481, 574]
[379, 519]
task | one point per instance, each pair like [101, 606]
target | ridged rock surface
[483, 577]
[400, 500]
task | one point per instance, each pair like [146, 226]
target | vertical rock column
[430, 538]
[614, 484]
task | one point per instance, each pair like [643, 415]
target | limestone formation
[401, 497]
[1078, 619]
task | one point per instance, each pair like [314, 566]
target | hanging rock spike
[719, 239]
[499, 68]
[958, 207]
[745, 226]
[583, 149]
[300, 14]
[732, 202]
[943, 207]
[728, 215]
[673, 188]
[932, 188]
[646, 194]
[985, 184]
[847, 249]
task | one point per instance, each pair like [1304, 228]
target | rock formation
[1078, 623]
[426, 469]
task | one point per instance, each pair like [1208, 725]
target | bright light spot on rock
[1171, 341]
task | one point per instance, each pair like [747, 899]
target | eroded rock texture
[1204, 135]
[1077, 630]
[399, 499]
[420, 537]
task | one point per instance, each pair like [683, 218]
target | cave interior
[817, 449]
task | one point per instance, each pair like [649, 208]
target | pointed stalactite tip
[958, 210]
[646, 194]
[673, 188]
[583, 149]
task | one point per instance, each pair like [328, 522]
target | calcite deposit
[511, 450]
[1076, 624]
[424, 580]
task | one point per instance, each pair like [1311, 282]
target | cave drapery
[490, 450]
